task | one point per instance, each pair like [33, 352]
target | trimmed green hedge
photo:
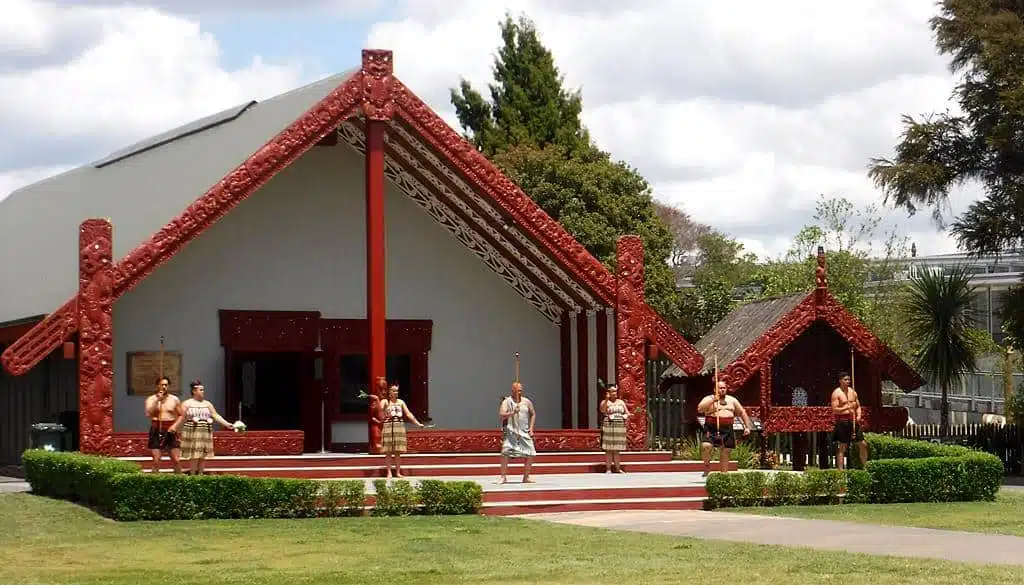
[121, 491]
[898, 470]
[813, 487]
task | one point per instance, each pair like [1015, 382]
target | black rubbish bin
[48, 436]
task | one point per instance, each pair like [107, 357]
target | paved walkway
[12, 485]
[821, 534]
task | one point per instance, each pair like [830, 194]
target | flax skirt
[197, 440]
[613, 435]
[393, 437]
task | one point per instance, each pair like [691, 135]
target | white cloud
[743, 115]
[132, 72]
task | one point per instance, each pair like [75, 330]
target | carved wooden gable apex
[821, 272]
[378, 84]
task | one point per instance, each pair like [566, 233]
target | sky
[742, 113]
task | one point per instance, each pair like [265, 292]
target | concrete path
[12, 485]
[820, 534]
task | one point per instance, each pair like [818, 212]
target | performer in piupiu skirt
[394, 413]
[613, 429]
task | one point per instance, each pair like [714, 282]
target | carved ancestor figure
[614, 414]
[517, 419]
[197, 415]
[377, 393]
[847, 430]
[394, 412]
[163, 410]
[720, 411]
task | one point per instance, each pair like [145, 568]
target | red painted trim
[96, 336]
[582, 372]
[477, 441]
[565, 331]
[602, 345]
[380, 96]
[254, 443]
[376, 287]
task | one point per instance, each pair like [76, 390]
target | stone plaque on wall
[144, 368]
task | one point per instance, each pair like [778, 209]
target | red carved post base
[631, 334]
[96, 336]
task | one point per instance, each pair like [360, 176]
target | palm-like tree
[939, 319]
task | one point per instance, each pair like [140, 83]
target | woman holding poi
[613, 429]
[197, 428]
[393, 437]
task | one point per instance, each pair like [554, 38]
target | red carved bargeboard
[477, 441]
[792, 419]
[224, 443]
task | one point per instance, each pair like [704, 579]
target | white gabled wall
[299, 244]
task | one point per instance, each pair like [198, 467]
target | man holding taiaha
[847, 430]
[720, 411]
[164, 412]
[517, 419]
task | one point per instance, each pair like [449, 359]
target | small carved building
[782, 357]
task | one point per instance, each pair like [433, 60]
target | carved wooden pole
[96, 336]
[630, 337]
[378, 109]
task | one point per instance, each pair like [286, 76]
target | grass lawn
[1003, 516]
[52, 542]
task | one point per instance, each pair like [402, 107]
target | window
[354, 380]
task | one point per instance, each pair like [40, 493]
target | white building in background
[982, 391]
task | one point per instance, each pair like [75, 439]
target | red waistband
[720, 420]
[844, 417]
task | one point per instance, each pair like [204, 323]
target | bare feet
[528, 480]
[501, 480]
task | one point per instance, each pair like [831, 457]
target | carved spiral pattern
[475, 441]
[632, 332]
[95, 333]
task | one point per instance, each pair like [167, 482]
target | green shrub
[757, 488]
[345, 498]
[119, 489]
[450, 497]
[73, 476]
[397, 499]
[905, 470]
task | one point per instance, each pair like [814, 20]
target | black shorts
[163, 440]
[844, 432]
[724, 436]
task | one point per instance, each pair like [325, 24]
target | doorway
[270, 389]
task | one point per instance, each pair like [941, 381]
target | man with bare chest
[847, 430]
[164, 412]
[720, 411]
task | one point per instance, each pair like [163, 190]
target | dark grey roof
[731, 336]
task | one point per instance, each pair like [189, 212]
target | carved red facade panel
[788, 419]
[96, 336]
[242, 330]
[353, 335]
[378, 82]
[41, 340]
[224, 443]
[631, 332]
[477, 441]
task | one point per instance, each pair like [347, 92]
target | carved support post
[601, 335]
[96, 336]
[378, 108]
[766, 401]
[631, 334]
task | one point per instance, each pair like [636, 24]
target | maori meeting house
[288, 251]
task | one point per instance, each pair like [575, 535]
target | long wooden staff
[718, 419]
[853, 385]
[159, 406]
[517, 367]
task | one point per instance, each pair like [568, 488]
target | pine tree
[529, 104]
[533, 131]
